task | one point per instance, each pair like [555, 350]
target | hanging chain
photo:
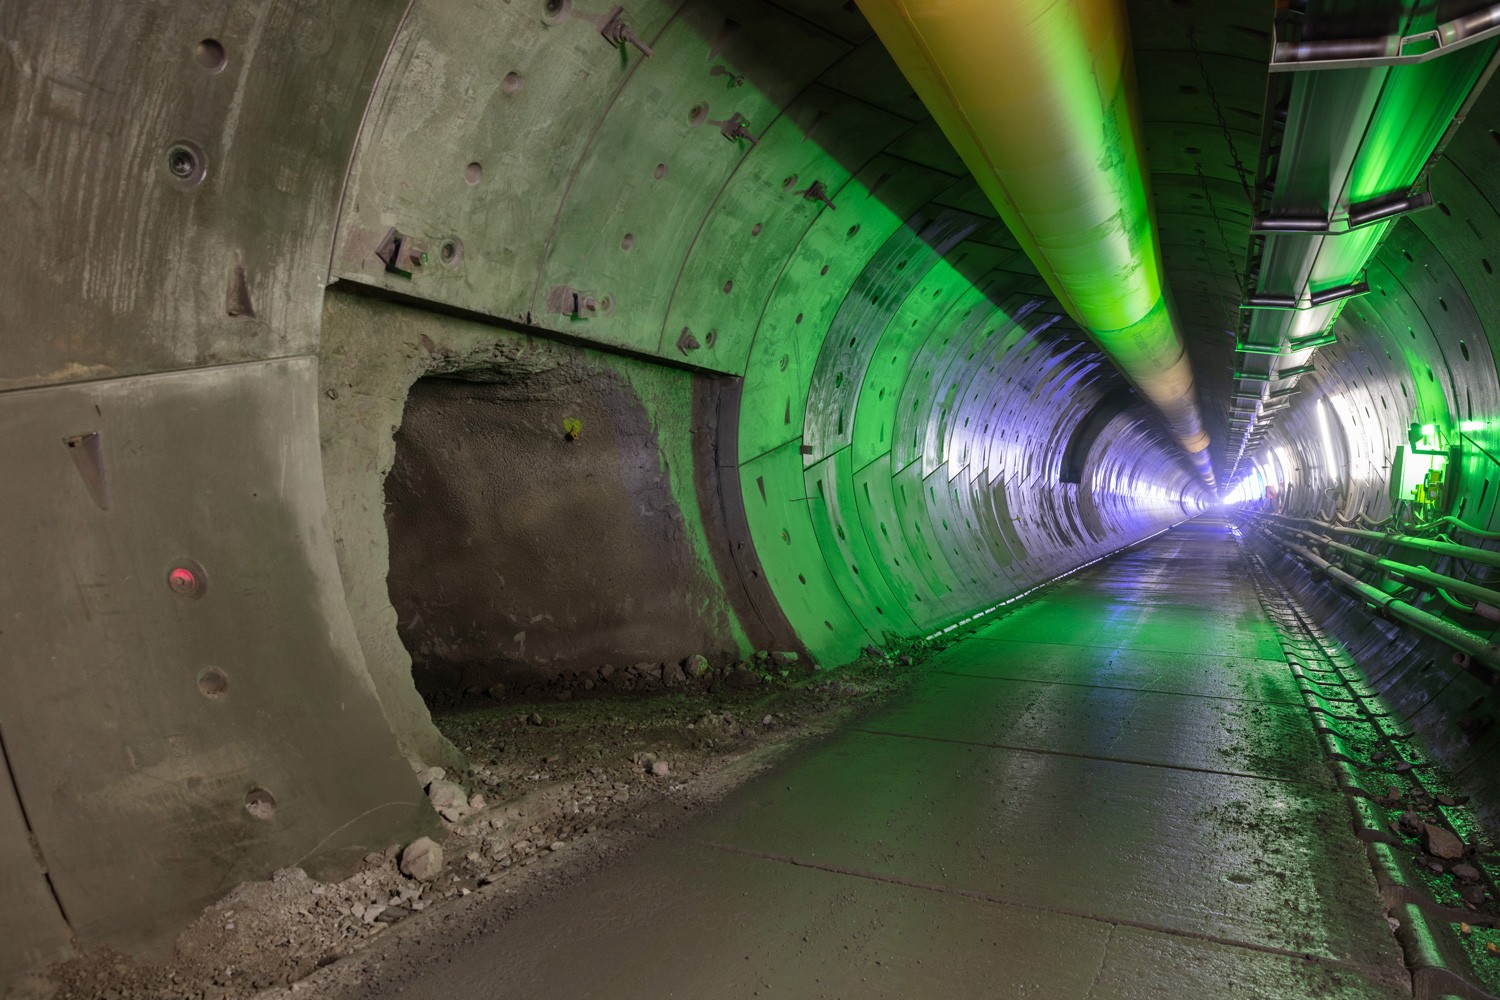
[1239, 165]
[1234, 264]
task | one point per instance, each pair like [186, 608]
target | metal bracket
[618, 33]
[738, 127]
[1385, 50]
[400, 253]
[818, 192]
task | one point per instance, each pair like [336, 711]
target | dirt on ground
[559, 784]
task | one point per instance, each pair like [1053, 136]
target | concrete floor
[1114, 792]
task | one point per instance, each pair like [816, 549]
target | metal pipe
[1051, 130]
[1486, 557]
[1405, 571]
[1475, 646]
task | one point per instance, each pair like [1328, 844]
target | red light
[182, 580]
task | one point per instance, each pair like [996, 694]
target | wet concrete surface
[1109, 793]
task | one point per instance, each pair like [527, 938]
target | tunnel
[373, 363]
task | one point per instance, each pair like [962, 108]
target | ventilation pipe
[1038, 97]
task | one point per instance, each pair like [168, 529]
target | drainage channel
[1436, 869]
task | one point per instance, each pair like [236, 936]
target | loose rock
[741, 678]
[697, 665]
[450, 800]
[428, 775]
[660, 768]
[422, 860]
[1466, 873]
[1441, 843]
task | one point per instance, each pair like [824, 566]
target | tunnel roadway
[1112, 792]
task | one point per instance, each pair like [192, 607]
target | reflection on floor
[1114, 792]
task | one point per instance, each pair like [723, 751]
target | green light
[1468, 426]
[1429, 430]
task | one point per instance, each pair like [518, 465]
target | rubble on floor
[544, 775]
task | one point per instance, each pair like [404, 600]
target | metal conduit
[1470, 553]
[1405, 571]
[1475, 646]
[1038, 97]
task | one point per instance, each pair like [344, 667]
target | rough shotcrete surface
[556, 789]
[559, 541]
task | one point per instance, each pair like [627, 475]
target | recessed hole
[853, 231]
[213, 682]
[1485, 263]
[1444, 209]
[187, 163]
[473, 174]
[728, 287]
[825, 269]
[1444, 304]
[187, 578]
[710, 338]
[512, 82]
[789, 183]
[1406, 254]
[698, 114]
[627, 241]
[210, 55]
[555, 11]
[451, 251]
[260, 804]
[1464, 348]
[1192, 150]
[798, 319]
[660, 172]
[755, 230]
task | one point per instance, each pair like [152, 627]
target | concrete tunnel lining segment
[899, 383]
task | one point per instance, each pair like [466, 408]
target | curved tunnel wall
[892, 386]
[1419, 348]
[908, 382]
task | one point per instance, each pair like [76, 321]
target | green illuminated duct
[1038, 97]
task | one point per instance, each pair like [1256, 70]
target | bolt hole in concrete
[213, 683]
[260, 804]
[661, 171]
[755, 230]
[555, 11]
[187, 579]
[789, 183]
[210, 55]
[627, 241]
[512, 82]
[451, 252]
[473, 173]
[187, 163]
[698, 114]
